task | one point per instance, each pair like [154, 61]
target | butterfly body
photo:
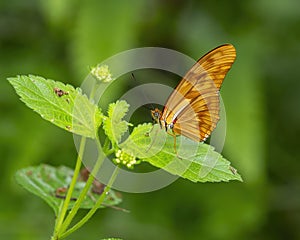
[156, 115]
[192, 109]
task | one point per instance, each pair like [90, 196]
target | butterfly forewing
[193, 107]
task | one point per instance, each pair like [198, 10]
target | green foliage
[45, 182]
[197, 163]
[61, 104]
[65, 106]
[113, 125]
[70, 109]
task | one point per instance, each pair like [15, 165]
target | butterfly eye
[156, 114]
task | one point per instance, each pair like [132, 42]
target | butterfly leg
[174, 136]
[175, 149]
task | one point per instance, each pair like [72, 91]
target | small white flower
[125, 159]
[102, 73]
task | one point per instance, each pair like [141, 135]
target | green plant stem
[85, 190]
[62, 213]
[94, 90]
[80, 199]
[58, 216]
[95, 207]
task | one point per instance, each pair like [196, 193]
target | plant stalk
[95, 207]
[66, 203]
[62, 213]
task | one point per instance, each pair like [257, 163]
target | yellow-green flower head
[125, 159]
[102, 73]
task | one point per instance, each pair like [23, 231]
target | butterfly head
[157, 117]
[156, 114]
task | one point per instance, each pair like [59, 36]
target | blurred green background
[61, 39]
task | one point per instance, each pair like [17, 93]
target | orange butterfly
[192, 110]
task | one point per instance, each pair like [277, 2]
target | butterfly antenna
[145, 95]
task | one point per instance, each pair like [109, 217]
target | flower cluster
[102, 73]
[125, 159]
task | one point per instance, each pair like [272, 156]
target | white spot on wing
[178, 112]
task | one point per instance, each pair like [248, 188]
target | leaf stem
[58, 214]
[96, 206]
[94, 90]
[64, 208]
[84, 191]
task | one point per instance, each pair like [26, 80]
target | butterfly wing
[193, 107]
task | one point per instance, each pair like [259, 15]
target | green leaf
[61, 104]
[197, 162]
[113, 125]
[45, 182]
